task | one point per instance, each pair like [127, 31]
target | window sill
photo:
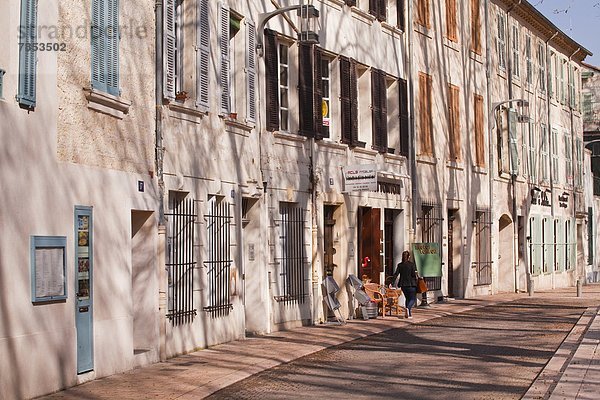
[181, 111]
[391, 29]
[479, 170]
[337, 4]
[289, 136]
[451, 44]
[361, 150]
[423, 30]
[476, 57]
[362, 15]
[455, 165]
[107, 103]
[426, 159]
[395, 157]
[235, 123]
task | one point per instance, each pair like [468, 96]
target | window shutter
[512, 141]
[454, 137]
[425, 114]
[251, 72]
[373, 5]
[271, 81]
[479, 132]
[379, 110]
[404, 127]
[112, 41]
[382, 10]
[305, 90]
[224, 47]
[98, 51]
[475, 27]
[350, 2]
[349, 101]
[318, 94]
[27, 55]
[202, 54]
[400, 15]
[169, 49]
[451, 20]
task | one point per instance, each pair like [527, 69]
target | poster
[49, 272]
[427, 259]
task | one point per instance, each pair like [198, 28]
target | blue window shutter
[169, 44]
[112, 47]
[27, 55]
[224, 48]
[98, 57]
[202, 54]
[251, 71]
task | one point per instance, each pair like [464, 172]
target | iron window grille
[292, 263]
[483, 252]
[181, 260]
[218, 261]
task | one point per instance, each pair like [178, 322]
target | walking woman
[406, 276]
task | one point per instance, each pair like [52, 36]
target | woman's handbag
[421, 285]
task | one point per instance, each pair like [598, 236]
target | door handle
[84, 309]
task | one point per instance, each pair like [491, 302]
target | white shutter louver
[224, 49]
[169, 44]
[202, 54]
[27, 54]
[251, 72]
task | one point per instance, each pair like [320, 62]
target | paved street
[497, 347]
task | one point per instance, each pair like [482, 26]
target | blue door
[83, 289]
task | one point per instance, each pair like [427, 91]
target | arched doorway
[506, 273]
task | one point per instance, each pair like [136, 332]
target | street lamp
[522, 116]
[309, 24]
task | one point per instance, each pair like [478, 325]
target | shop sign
[540, 198]
[563, 200]
[427, 259]
[360, 177]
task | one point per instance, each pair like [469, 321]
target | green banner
[427, 259]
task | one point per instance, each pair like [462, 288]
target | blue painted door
[83, 289]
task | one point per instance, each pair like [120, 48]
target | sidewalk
[199, 374]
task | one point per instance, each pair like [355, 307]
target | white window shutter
[202, 54]
[27, 55]
[169, 44]
[251, 72]
[112, 44]
[224, 48]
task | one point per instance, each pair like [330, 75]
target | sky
[580, 19]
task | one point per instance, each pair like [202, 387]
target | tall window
[326, 88]
[544, 246]
[516, 71]
[404, 122]
[483, 251]
[292, 260]
[541, 57]
[451, 27]
[379, 110]
[555, 170]
[532, 151]
[276, 83]
[559, 246]
[181, 261]
[105, 45]
[284, 89]
[569, 245]
[479, 132]
[310, 90]
[475, 26]
[218, 258]
[227, 29]
[454, 123]
[378, 8]
[568, 158]
[544, 155]
[425, 115]
[528, 60]
[349, 101]
[27, 54]
[501, 41]
[422, 11]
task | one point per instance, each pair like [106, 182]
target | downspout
[412, 145]
[491, 148]
[159, 152]
[550, 135]
[513, 178]
[578, 274]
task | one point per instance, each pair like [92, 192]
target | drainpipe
[578, 274]
[488, 63]
[159, 152]
[412, 162]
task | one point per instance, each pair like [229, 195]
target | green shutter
[105, 46]
[27, 54]
[112, 47]
[560, 245]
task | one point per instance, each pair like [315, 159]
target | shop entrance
[369, 244]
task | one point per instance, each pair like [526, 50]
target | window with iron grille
[218, 256]
[483, 251]
[292, 261]
[181, 260]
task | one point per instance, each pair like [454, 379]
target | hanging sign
[360, 177]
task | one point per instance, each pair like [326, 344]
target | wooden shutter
[475, 27]
[404, 126]
[349, 101]
[378, 8]
[250, 71]
[451, 20]
[112, 46]
[422, 11]
[305, 90]
[202, 54]
[379, 110]
[350, 2]
[224, 51]
[479, 132]
[513, 142]
[454, 126]
[425, 115]
[271, 81]
[27, 55]
[400, 23]
[169, 45]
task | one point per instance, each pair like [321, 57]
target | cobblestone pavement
[494, 352]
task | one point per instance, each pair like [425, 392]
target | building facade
[207, 165]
